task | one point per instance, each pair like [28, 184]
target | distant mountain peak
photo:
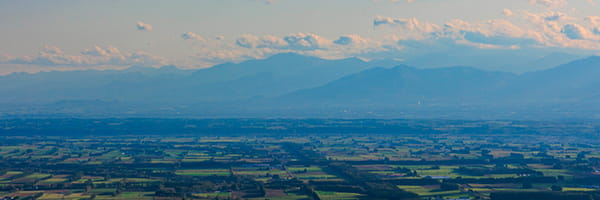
[403, 67]
[169, 67]
[591, 59]
[289, 57]
[137, 68]
[584, 64]
[354, 60]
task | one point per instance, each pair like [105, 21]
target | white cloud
[272, 42]
[99, 51]
[50, 55]
[594, 20]
[347, 40]
[411, 24]
[143, 26]
[408, 27]
[549, 16]
[596, 30]
[268, 41]
[306, 44]
[488, 34]
[498, 33]
[141, 58]
[96, 56]
[557, 29]
[191, 36]
[298, 41]
[52, 50]
[549, 3]
[577, 32]
[306, 41]
[406, 37]
[507, 12]
[247, 41]
[555, 16]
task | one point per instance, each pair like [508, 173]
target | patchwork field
[297, 166]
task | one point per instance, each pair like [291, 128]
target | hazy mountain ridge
[575, 82]
[270, 77]
[403, 84]
[288, 83]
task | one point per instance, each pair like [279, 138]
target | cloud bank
[95, 56]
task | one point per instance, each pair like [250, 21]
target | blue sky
[69, 34]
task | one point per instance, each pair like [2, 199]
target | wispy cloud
[545, 29]
[347, 40]
[298, 41]
[575, 32]
[549, 3]
[507, 12]
[191, 36]
[95, 56]
[143, 26]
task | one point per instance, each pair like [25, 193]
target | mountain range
[292, 85]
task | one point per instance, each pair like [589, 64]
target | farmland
[441, 163]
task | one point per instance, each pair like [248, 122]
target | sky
[37, 35]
